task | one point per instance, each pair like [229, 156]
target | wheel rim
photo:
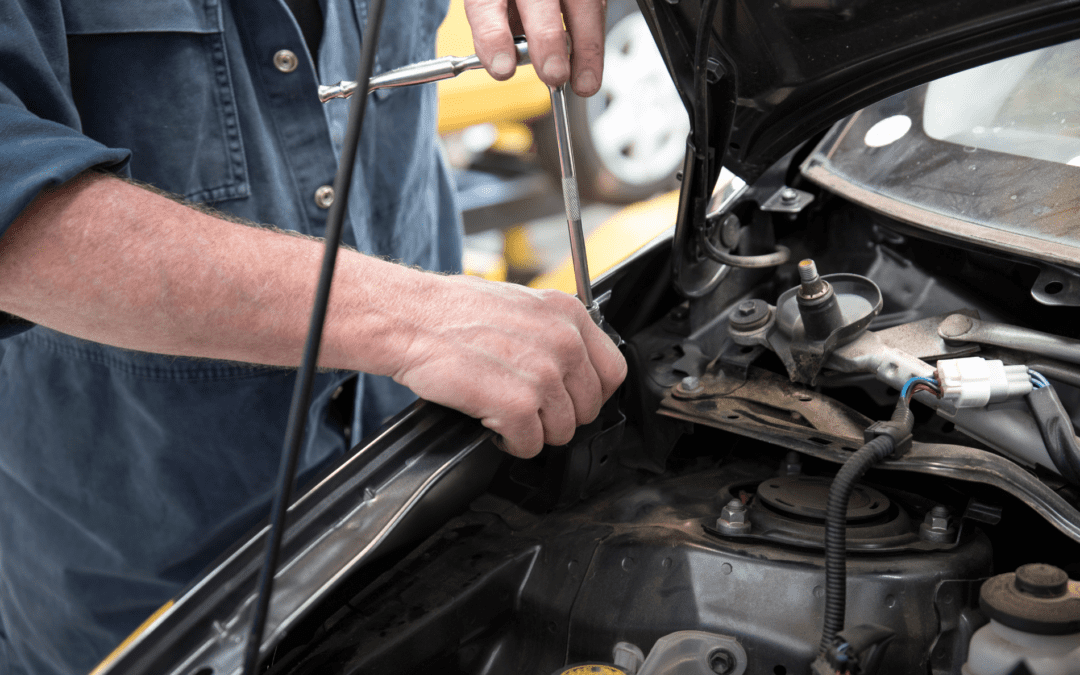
[637, 123]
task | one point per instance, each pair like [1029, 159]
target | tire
[630, 138]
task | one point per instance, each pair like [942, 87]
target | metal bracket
[787, 200]
[1057, 287]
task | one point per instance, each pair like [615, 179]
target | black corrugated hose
[853, 469]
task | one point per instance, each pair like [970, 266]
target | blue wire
[913, 381]
[1038, 379]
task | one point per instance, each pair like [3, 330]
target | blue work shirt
[123, 474]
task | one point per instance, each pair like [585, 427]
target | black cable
[703, 40]
[850, 473]
[1057, 432]
[301, 400]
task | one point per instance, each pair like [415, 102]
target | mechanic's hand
[531, 365]
[494, 24]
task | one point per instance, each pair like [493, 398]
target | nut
[722, 662]
[750, 315]
[734, 518]
[691, 383]
[937, 526]
[734, 512]
[791, 464]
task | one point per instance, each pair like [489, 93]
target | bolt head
[730, 231]
[955, 325]
[722, 662]
[691, 383]
[789, 195]
[750, 315]
[791, 465]
[937, 524]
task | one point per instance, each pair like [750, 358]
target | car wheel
[629, 138]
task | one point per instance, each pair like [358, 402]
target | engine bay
[684, 531]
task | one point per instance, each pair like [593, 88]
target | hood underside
[775, 73]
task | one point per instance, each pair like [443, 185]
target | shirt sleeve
[41, 143]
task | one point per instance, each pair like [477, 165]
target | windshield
[1027, 105]
[988, 156]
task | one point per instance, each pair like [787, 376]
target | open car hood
[760, 78]
[786, 69]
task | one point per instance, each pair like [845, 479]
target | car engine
[688, 530]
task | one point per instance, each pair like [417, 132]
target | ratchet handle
[419, 73]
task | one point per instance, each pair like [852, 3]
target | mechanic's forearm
[108, 261]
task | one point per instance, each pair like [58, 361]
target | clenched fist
[531, 365]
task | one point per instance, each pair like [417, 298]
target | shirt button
[324, 197]
[286, 61]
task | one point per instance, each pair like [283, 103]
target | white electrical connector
[975, 382]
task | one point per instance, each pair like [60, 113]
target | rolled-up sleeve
[41, 143]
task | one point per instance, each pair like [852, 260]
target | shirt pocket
[152, 76]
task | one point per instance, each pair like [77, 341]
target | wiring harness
[964, 383]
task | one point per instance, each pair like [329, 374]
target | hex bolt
[734, 518]
[789, 195]
[750, 315]
[792, 464]
[937, 526]
[713, 70]
[722, 662]
[691, 383]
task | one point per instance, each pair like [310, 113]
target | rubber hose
[836, 522]
[778, 257]
[1057, 432]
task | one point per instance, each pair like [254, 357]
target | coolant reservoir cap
[1036, 599]
[590, 669]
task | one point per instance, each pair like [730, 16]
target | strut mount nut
[791, 465]
[734, 518]
[938, 527]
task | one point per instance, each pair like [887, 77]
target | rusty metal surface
[769, 408]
